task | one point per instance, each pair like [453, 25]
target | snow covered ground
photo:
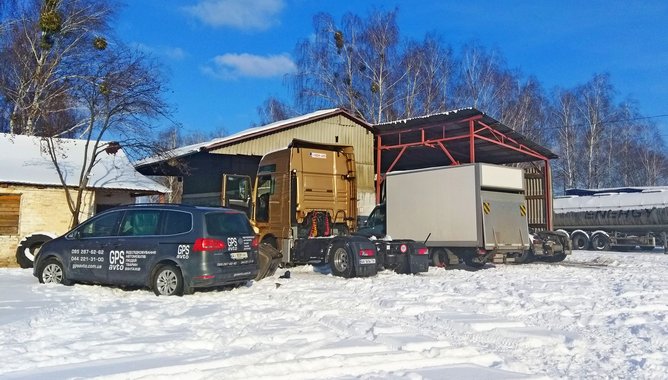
[599, 315]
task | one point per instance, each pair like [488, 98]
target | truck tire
[524, 257]
[600, 242]
[443, 258]
[556, 258]
[341, 261]
[29, 247]
[580, 241]
[474, 262]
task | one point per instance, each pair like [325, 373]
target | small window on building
[9, 214]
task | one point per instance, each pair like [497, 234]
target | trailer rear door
[504, 221]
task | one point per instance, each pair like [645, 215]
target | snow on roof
[451, 112]
[25, 160]
[194, 148]
[655, 197]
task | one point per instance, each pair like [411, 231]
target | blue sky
[225, 57]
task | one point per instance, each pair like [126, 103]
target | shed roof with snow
[25, 160]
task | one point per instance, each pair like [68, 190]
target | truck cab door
[236, 192]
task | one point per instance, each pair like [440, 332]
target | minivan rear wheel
[168, 281]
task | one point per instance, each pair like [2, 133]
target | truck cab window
[264, 189]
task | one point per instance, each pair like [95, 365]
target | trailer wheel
[580, 241]
[556, 258]
[443, 258]
[341, 261]
[600, 242]
[525, 256]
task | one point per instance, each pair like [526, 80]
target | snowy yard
[607, 318]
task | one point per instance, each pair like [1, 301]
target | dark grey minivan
[171, 249]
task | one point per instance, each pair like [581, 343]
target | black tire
[555, 258]
[580, 241]
[28, 249]
[647, 247]
[524, 257]
[168, 281]
[341, 261]
[600, 242]
[52, 272]
[443, 258]
[474, 263]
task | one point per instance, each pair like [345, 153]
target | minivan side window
[176, 222]
[228, 223]
[140, 223]
[100, 227]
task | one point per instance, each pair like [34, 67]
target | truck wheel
[341, 261]
[444, 258]
[556, 258]
[580, 241]
[474, 262]
[28, 249]
[600, 242]
[168, 281]
[524, 257]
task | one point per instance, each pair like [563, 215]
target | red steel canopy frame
[462, 140]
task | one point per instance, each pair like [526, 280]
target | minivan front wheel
[52, 272]
[168, 281]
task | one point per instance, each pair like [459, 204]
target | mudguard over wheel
[341, 261]
[52, 272]
[29, 247]
[167, 281]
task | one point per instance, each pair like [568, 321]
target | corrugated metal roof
[25, 160]
[447, 124]
[251, 133]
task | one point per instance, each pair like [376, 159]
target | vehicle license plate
[367, 261]
[239, 255]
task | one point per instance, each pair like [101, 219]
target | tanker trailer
[619, 219]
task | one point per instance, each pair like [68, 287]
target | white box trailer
[469, 212]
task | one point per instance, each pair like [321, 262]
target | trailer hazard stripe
[486, 207]
[523, 210]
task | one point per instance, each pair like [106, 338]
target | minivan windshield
[228, 223]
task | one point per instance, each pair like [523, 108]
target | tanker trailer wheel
[580, 241]
[600, 242]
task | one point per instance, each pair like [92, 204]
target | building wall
[44, 209]
[333, 130]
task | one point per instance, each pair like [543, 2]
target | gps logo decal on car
[232, 244]
[183, 252]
